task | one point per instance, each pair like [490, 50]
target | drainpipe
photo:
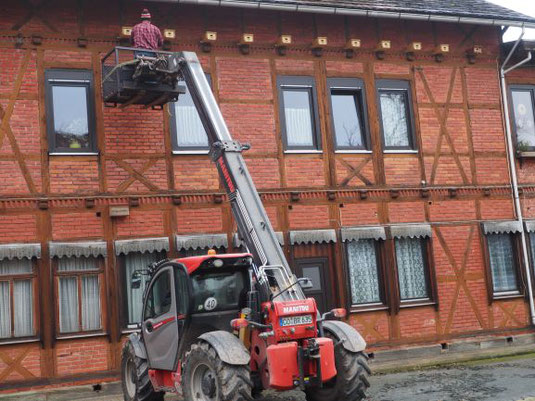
[512, 167]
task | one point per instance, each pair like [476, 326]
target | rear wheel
[208, 378]
[350, 382]
[135, 377]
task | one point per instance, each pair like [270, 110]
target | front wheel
[135, 377]
[350, 382]
[207, 378]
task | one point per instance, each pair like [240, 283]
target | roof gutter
[264, 5]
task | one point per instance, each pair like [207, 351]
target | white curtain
[394, 117]
[68, 296]
[411, 268]
[134, 296]
[524, 117]
[23, 308]
[298, 126]
[5, 310]
[363, 276]
[502, 263]
[68, 305]
[189, 129]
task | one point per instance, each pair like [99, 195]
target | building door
[317, 270]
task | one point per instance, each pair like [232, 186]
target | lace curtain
[411, 268]
[189, 129]
[22, 307]
[363, 276]
[134, 296]
[298, 118]
[69, 319]
[394, 117]
[524, 117]
[502, 263]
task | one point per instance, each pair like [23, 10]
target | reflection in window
[217, 291]
[363, 272]
[71, 126]
[159, 300]
[502, 263]
[524, 119]
[298, 117]
[346, 108]
[411, 268]
[394, 114]
[186, 125]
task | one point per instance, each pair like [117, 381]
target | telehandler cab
[225, 327]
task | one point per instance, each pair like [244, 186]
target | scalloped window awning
[501, 227]
[78, 249]
[356, 233]
[20, 251]
[312, 237]
[141, 245]
[411, 231]
[201, 241]
[238, 242]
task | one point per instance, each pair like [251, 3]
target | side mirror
[305, 283]
[136, 280]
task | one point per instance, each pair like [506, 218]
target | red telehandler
[224, 327]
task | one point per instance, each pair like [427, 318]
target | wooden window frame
[99, 272]
[430, 275]
[294, 82]
[174, 134]
[392, 85]
[10, 278]
[69, 78]
[523, 88]
[382, 276]
[356, 87]
[517, 263]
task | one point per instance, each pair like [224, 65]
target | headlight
[218, 263]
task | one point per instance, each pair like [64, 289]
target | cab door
[164, 315]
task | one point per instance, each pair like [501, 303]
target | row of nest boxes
[320, 42]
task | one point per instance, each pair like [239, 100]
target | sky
[526, 7]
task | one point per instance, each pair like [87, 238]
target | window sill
[131, 330]
[191, 152]
[80, 335]
[416, 303]
[304, 151]
[73, 154]
[21, 340]
[366, 152]
[400, 152]
[500, 296]
[528, 154]
[367, 308]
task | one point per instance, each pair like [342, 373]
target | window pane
[68, 304]
[394, 117]
[411, 268]
[346, 118]
[363, 275]
[15, 266]
[298, 117]
[189, 129]
[71, 123]
[23, 307]
[225, 288]
[74, 264]
[5, 310]
[134, 296]
[532, 243]
[314, 274]
[159, 301]
[502, 263]
[90, 303]
[524, 118]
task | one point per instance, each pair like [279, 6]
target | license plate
[295, 320]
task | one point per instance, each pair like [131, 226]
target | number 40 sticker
[210, 303]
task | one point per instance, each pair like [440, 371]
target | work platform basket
[137, 76]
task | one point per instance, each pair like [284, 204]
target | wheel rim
[204, 383]
[130, 378]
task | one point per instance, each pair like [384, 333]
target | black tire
[207, 378]
[351, 381]
[135, 380]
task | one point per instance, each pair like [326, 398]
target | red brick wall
[81, 356]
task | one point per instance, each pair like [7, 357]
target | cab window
[159, 297]
[217, 291]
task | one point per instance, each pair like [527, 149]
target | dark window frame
[517, 265]
[174, 134]
[382, 276]
[70, 78]
[355, 86]
[298, 83]
[520, 88]
[396, 86]
[11, 278]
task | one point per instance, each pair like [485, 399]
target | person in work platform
[145, 35]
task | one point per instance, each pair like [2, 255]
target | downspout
[512, 166]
